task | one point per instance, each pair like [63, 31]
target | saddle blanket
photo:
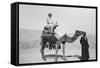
[59, 33]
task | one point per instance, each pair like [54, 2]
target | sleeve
[81, 40]
[87, 42]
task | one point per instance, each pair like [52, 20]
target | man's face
[84, 36]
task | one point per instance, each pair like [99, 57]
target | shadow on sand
[61, 56]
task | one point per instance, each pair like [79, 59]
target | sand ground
[33, 55]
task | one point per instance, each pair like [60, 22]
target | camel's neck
[74, 37]
[70, 39]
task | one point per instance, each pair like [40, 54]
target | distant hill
[29, 35]
[29, 38]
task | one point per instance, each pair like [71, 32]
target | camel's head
[78, 33]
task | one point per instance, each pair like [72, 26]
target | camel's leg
[56, 53]
[63, 50]
[42, 53]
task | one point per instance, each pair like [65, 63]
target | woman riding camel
[49, 32]
[50, 22]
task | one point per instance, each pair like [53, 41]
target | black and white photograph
[56, 34]
[53, 33]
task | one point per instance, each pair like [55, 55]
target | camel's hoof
[64, 58]
[56, 60]
[44, 58]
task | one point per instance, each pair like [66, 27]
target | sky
[69, 19]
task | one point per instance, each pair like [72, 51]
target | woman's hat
[49, 14]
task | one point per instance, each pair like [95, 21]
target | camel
[62, 40]
[65, 38]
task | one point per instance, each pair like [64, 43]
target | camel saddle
[47, 32]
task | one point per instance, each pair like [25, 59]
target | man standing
[85, 47]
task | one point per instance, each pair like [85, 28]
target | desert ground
[29, 49]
